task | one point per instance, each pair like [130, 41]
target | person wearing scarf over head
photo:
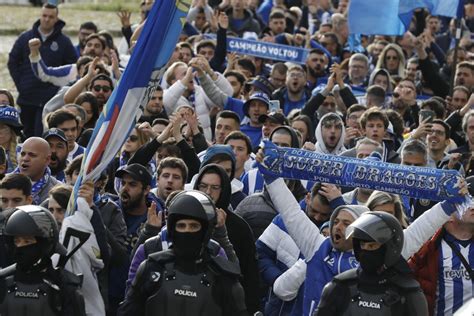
[330, 134]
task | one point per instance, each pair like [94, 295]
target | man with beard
[135, 200]
[69, 124]
[316, 65]
[154, 108]
[295, 94]
[100, 84]
[86, 29]
[237, 81]
[59, 152]
[35, 156]
[95, 46]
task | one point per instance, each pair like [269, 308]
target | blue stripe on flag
[155, 45]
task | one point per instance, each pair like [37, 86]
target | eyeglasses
[133, 138]
[204, 187]
[103, 88]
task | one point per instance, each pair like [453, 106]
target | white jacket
[173, 97]
[86, 260]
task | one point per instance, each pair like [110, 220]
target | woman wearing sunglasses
[135, 140]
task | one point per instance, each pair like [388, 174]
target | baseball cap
[260, 96]
[55, 132]
[136, 171]
[275, 117]
[11, 117]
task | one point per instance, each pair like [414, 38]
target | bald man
[35, 156]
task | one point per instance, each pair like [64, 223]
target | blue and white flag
[154, 47]
[392, 17]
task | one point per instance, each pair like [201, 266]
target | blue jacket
[321, 269]
[56, 50]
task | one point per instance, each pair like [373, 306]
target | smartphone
[274, 105]
[427, 115]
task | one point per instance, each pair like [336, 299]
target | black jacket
[241, 237]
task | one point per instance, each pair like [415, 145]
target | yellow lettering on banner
[183, 5]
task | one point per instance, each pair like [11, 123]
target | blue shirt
[290, 105]
[254, 133]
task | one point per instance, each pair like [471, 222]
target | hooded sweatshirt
[236, 186]
[385, 72]
[320, 145]
[240, 236]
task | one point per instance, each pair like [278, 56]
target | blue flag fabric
[392, 17]
[155, 45]
[375, 17]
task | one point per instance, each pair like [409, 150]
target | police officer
[186, 280]
[36, 288]
[382, 284]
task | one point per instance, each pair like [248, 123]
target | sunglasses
[103, 88]
[133, 138]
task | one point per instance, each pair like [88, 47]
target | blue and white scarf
[39, 185]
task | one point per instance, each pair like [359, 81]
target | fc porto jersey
[455, 286]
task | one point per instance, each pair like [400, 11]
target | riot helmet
[192, 205]
[38, 222]
[379, 227]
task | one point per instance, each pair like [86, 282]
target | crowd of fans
[408, 98]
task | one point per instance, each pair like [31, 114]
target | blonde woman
[393, 60]
[390, 203]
